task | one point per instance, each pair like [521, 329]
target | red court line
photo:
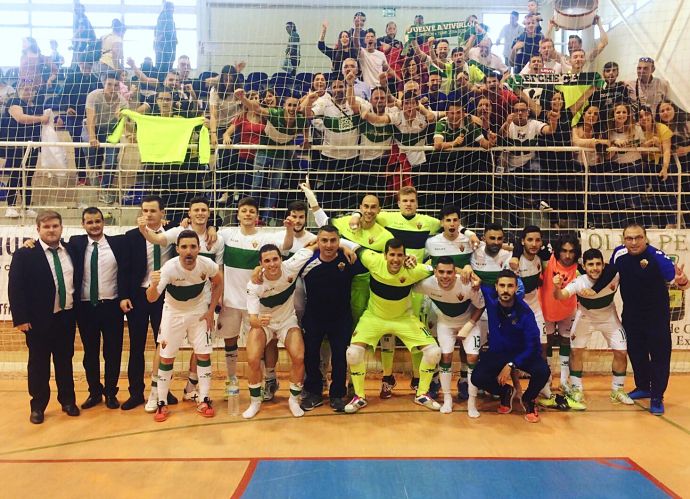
[246, 478]
[652, 478]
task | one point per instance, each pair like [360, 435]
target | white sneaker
[30, 213]
[447, 406]
[152, 403]
[192, 396]
[11, 213]
[253, 409]
[428, 402]
[472, 407]
[619, 396]
[295, 409]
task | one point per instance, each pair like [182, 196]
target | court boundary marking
[253, 462]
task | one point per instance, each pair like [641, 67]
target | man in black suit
[41, 290]
[100, 272]
[143, 259]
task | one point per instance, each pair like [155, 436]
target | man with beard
[189, 312]
[513, 344]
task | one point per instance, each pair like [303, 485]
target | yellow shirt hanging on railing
[164, 139]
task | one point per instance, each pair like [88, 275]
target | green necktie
[62, 291]
[156, 257]
[93, 286]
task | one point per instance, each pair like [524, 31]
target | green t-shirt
[468, 128]
[390, 293]
[278, 133]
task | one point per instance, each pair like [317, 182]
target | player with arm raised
[595, 312]
[188, 311]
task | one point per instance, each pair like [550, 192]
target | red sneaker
[205, 408]
[162, 412]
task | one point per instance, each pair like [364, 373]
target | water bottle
[233, 399]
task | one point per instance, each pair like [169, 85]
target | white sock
[295, 409]
[253, 409]
[164, 378]
[471, 388]
[617, 382]
[576, 382]
[446, 377]
[546, 391]
[447, 406]
[472, 407]
[204, 381]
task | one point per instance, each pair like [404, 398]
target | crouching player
[451, 301]
[271, 310]
[596, 311]
[187, 311]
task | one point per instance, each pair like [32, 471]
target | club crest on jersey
[460, 297]
[419, 225]
[644, 263]
[341, 266]
[290, 279]
[371, 240]
[203, 276]
[255, 244]
[402, 280]
[462, 248]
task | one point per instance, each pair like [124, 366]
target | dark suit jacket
[77, 250]
[31, 287]
[137, 262]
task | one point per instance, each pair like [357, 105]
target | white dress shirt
[107, 271]
[67, 274]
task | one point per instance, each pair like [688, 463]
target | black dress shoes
[111, 402]
[132, 402]
[36, 417]
[172, 399]
[92, 401]
[71, 410]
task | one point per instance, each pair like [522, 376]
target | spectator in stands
[483, 55]
[21, 122]
[223, 107]
[282, 127]
[392, 48]
[83, 35]
[502, 100]
[165, 38]
[7, 91]
[184, 68]
[526, 45]
[657, 167]
[436, 100]
[437, 59]
[55, 56]
[626, 166]
[246, 128]
[613, 93]
[372, 61]
[318, 85]
[79, 83]
[362, 90]
[337, 121]
[508, 33]
[561, 175]
[647, 90]
[533, 9]
[678, 122]
[185, 102]
[357, 32]
[549, 59]
[34, 67]
[412, 72]
[103, 107]
[483, 110]
[268, 98]
[575, 43]
[112, 55]
[462, 91]
[292, 51]
[344, 49]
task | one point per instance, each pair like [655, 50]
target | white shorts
[564, 326]
[175, 326]
[232, 322]
[448, 335]
[612, 330]
[541, 324]
[483, 324]
[280, 330]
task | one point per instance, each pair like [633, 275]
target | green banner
[551, 79]
[437, 30]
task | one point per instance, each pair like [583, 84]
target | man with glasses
[647, 90]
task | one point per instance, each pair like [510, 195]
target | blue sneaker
[639, 393]
[434, 388]
[656, 407]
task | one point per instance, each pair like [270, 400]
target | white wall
[644, 35]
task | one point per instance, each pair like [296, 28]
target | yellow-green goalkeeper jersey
[413, 232]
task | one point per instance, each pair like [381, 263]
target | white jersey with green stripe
[412, 231]
[184, 289]
[240, 257]
[530, 273]
[215, 252]
[597, 308]
[276, 298]
[340, 127]
[299, 242]
[486, 266]
[374, 135]
[459, 249]
[452, 306]
[389, 296]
